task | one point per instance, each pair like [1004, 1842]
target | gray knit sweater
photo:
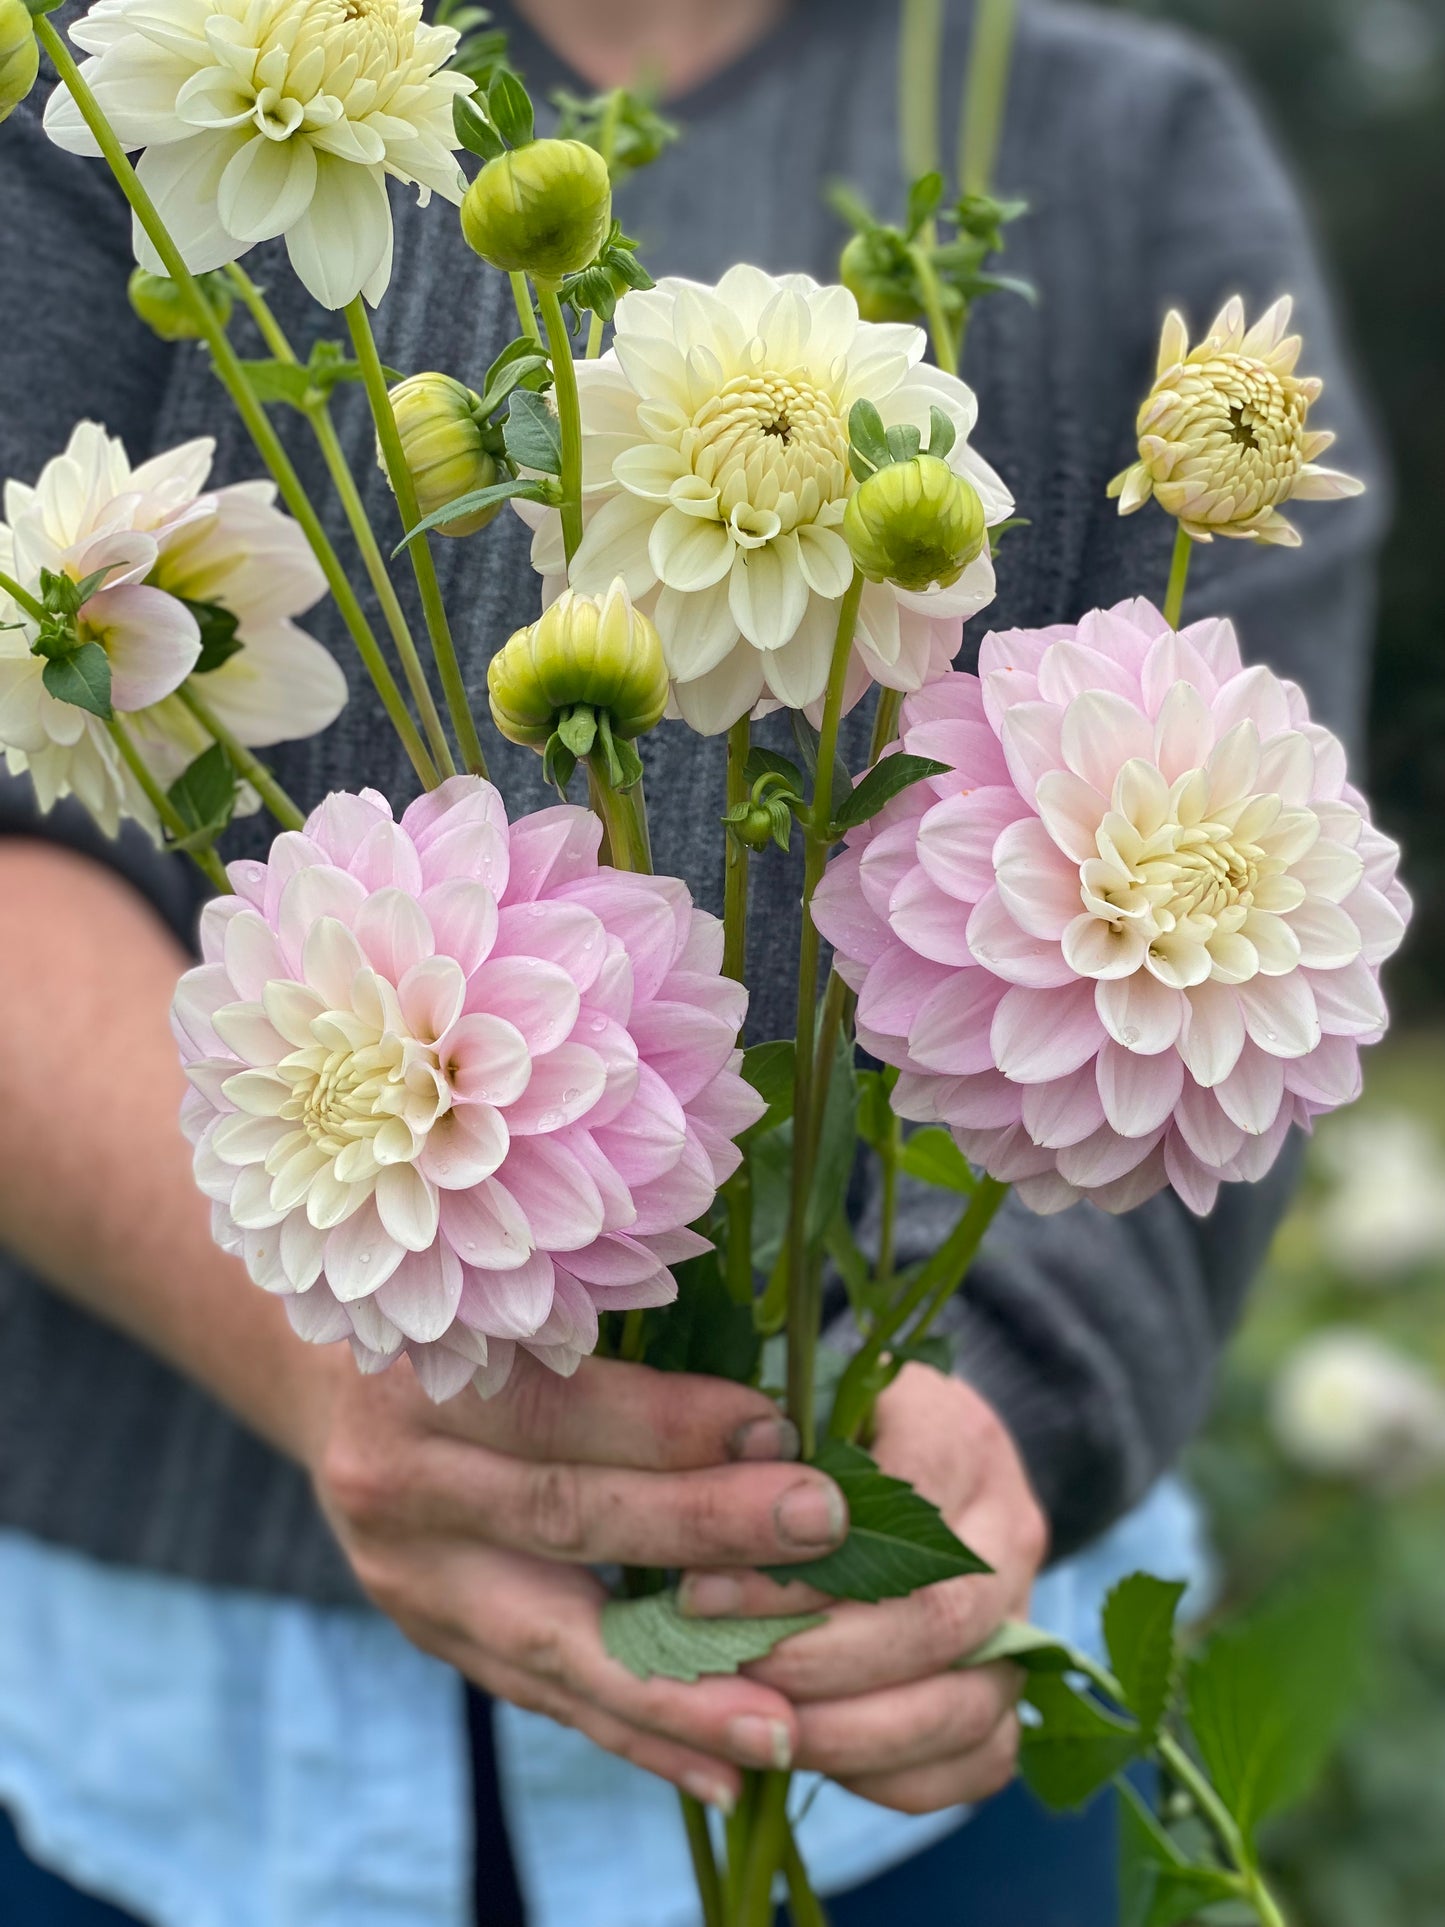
[1150, 183]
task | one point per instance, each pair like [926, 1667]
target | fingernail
[811, 1514]
[709, 1595]
[765, 1438]
[712, 1793]
[760, 1742]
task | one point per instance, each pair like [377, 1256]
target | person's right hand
[472, 1524]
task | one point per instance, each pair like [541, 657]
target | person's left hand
[880, 1708]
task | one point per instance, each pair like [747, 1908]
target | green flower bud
[545, 209]
[875, 282]
[915, 523]
[19, 55]
[442, 441]
[580, 653]
[163, 307]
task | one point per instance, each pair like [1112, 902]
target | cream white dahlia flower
[1134, 933]
[1223, 434]
[168, 544]
[456, 1086]
[716, 478]
[1345, 1405]
[274, 117]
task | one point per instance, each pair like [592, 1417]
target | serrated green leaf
[82, 679]
[480, 498]
[204, 794]
[1078, 1747]
[1139, 1633]
[653, 1640]
[533, 434]
[931, 1156]
[1269, 1692]
[897, 1542]
[509, 108]
[888, 778]
[1027, 1646]
[1158, 1885]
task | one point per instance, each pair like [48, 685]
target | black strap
[496, 1893]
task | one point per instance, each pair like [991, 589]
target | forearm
[96, 1193]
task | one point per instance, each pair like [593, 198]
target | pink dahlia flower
[1136, 932]
[457, 1087]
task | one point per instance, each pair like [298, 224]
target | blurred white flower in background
[1346, 1405]
[1386, 1211]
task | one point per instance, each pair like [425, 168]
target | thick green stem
[526, 313]
[205, 860]
[233, 377]
[606, 141]
[633, 1341]
[802, 1308]
[985, 94]
[1178, 576]
[888, 1206]
[735, 857]
[804, 1907]
[920, 57]
[624, 816]
[569, 416]
[243, 760]
[920, 1304]
[885, 722]
[940, 328]
[704, 1861]
[22, 597]
[423, 563]
[766, 1843]
[259, 309]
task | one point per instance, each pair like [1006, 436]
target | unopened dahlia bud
[162, 305]
[1223, 439]
[915, 523]
[544, 209]
[442, 441]
[871, 273]
[19, 55]
[580, 653]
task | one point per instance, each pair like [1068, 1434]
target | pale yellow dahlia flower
[1223, 435]
[274, 117]
[716, 479]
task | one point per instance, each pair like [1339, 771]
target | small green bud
[163, 307]
[876, 278]
[545, 209]
[580, 653]
[442, 441]
[915, 523]
[19, 55]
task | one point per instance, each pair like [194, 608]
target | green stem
[888, 1209]
[885, 722]
[704, 1861]
[526, 313]
[766, 1837]
[624, 817]
[804, 1907]
[738, 1197]
[920, 50]
[259, 309]
[569, 415]
[940, 328]
[205, 860]
[423, 563]
[735, 857]
[606, 141]
[1178, 576]
[985, 94]
[802, 1310]
[923, 1300]
[22, 597]
[233, 377]
[242, 759]
[633, 1341]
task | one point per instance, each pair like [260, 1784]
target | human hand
[471, 1525]
[878, 1703]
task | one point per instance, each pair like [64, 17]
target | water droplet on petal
[570, 1097]
[1129, 1036]
[597, 1023]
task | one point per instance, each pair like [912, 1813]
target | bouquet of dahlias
[1107, 915]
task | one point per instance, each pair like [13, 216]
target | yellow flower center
[775, 449]
[312, 51]
[387, 1087]
[1236, 421]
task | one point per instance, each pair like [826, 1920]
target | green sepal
[509, 108]
[475, 132]
[81, 678]
[868, 438]
[219, 640]
[533, 433]
[942, 434]
[577, 730]
[653, 1640]
[558, 764]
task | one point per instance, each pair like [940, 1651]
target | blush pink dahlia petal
[1135, 933]
[455, 1086]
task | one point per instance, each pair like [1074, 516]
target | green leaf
[889, 777]
[1139, 1633]
[703, 1330]
[479, 498]
[876, 1122]
[1077, 1749]
[769, 1069]
[1269, 1692]
[850, 1264]
[766, 762]
[204, 794]
[533, 433]
[273, 381]
[931, 1156]
[509, 108]
[941, 432]
[474, 130]
[522, 348]
[652, 1639]
[1158, 1885]
[81, 678]
[517, 371]
[924, 198]
[219, 641]
[837, 1148]
[868, 435]
[897, 1540]
[1027, 1646]
[770, 1166]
